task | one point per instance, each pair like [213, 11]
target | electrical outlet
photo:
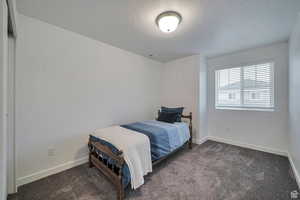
[51, 152]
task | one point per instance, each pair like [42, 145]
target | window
[231, 96]
[247, 87]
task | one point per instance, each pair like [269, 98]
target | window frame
[245, 108]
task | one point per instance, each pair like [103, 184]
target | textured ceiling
[209, 27]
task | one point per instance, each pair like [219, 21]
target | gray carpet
[211, 171]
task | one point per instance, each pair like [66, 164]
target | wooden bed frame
[114, 172]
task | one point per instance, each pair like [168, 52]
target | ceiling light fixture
[168, 21]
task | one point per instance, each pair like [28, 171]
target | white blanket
[136, 150]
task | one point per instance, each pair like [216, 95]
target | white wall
[3, 100]
[253, 128]
[184, 84]
[294, 100]
[202, 102]
[67, 85]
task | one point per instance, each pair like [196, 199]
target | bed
[165, 139]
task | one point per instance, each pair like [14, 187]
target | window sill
[245, 109]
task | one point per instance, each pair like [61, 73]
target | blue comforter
[164, 139]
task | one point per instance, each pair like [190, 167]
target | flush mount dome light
[168, 21]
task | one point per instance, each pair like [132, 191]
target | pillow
[168, 117]
[178, 110]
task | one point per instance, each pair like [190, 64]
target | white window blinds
[245, 87]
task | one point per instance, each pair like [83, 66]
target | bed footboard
[99, 156]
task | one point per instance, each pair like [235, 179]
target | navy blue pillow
[178, 110]
[168, 117]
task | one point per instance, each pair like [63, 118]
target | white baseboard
[249, 146]
[200, 141]
[59, 168]
[47, 172]
[296, 173]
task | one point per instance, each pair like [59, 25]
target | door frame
[3, 98]
[10, 97]
[11, 138]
